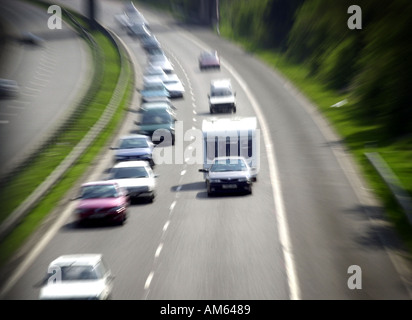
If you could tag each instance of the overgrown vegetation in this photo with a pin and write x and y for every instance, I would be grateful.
(310, 42)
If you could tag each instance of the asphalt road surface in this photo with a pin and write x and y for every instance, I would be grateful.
(51, 76)
(308, 221)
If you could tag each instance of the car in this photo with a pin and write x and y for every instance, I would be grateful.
(153, 88)
(136, 177)
(77, 277)
(30, 38)
(160, 104)
(174, 86)
(209, 59)
(156, 100)
(154, 51)
(123, 21)
(8, 88)
(102, 200)
(149, 43)
(222, 97)
(137, 30)
(154, 73)
(228, 174)
(158, 124)
(134, 147)
(163, 61)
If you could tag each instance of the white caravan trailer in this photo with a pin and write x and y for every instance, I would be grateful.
(231, 137)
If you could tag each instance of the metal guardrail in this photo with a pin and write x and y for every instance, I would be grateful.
(393, 183)
(17, 215)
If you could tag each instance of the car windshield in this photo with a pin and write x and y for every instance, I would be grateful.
(156, 118)
(170, 82)
(99, 191)
(78, 273)
(226, 165)
(130, 172)
(133, 143)
(221, 92)
(154, 87)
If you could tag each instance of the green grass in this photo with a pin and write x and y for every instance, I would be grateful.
(31, 176)
(358, 137)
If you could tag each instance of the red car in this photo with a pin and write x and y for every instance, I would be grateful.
(209, 59)
(102, 200)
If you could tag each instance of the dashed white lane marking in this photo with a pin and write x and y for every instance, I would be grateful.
(194, 112)
(183, 172)
(158, 250)
(148, 280)
(178, 188)
(166, 225)
(194, 105)
(172, 206)
(194, 120)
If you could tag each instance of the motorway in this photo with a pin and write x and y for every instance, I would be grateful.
(51, 77)
(309, 219)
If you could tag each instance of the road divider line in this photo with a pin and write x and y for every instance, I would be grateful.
(148, 280)
(158, 250)
(172, 206)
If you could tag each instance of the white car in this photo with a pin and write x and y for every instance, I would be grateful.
(174, 86)
(137, 177)
(222, 98)
(162, 61)
(78, 277)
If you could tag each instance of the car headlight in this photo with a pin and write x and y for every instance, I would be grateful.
(215, 180)
(79, 211)
(243, 179)
(146, 156)
(146, 133)
(118, 209)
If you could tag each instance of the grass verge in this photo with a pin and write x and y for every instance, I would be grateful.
(44, 163)
(358, 137)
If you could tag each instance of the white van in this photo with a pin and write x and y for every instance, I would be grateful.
(222, 98)
(232, 137)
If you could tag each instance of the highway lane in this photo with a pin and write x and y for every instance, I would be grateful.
(187, 246)
(51, 77)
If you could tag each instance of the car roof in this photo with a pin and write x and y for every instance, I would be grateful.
(131, 164)
(155, 105)
(134, 136)
(78, 259)
(152, 80)
(99, 182)
(221, 83)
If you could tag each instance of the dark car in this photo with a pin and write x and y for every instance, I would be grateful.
(153, 89)
(102, 200)
(149, 43)
(209, 59)
(138, 30)
(8, 88)
(158, 121)
(228, 174)
(134, 147)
